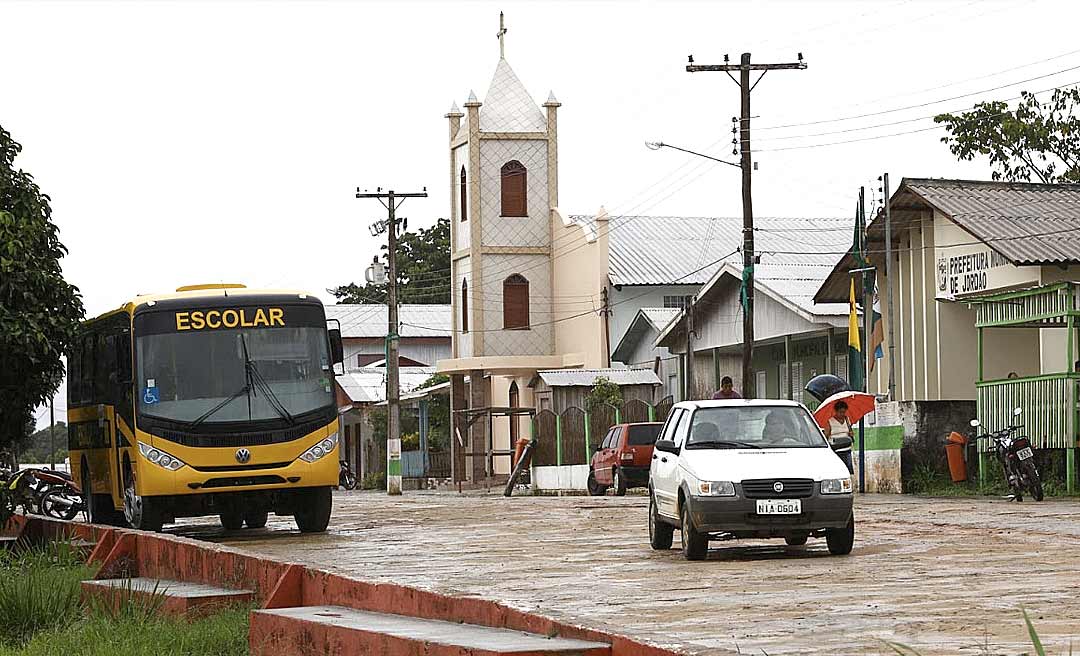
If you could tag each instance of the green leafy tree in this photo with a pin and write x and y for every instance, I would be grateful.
(423, 268)
(42, 449)
(39, 310)
(1040, 140)
(603, 392)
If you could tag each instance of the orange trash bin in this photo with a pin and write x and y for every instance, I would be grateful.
(954, 450)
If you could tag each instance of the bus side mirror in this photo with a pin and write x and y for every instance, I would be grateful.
(337, 350)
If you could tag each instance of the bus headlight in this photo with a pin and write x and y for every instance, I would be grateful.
(160, 458)
(322, 449)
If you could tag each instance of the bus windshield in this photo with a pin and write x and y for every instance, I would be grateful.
(233, 375)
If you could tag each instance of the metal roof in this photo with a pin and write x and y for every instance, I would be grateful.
(370, 320)
(368, 384)
(587, 377)
(664, 250)
(646, 319)
(1028, 223)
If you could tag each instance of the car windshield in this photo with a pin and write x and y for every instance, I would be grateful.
(643, 434)
(234, 375)
(754, 427)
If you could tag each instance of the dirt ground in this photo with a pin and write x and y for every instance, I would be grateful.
(946, 576)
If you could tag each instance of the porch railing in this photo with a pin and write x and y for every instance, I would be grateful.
(1048, 403)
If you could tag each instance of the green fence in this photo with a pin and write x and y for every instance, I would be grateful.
(1048, 403)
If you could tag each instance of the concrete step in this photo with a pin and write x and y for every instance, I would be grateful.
(340, 630)
(175, 597)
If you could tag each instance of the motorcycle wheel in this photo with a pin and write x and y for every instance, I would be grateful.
(348, 481)
(1030, 476)
(50, 506)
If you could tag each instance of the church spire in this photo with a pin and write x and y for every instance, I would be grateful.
(502, 36)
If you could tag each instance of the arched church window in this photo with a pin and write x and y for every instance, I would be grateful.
(464, 306)
(462, 211)
(516, 303)
(513, 175)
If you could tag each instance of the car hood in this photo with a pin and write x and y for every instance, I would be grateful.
(746, 464)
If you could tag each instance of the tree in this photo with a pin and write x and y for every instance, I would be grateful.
(423, 268)
(1036, 139)
(37, 447)
(603, 392)
(39, 310)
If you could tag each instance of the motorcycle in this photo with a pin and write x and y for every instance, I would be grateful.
(62, 500)
(346, 478)
(1017, 459)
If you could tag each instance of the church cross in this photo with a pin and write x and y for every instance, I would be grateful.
(501, 34)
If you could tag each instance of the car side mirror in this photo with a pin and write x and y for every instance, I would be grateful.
(667, 446)
(839, 443)
(337, 350)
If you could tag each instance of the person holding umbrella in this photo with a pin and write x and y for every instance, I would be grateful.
(840, 426)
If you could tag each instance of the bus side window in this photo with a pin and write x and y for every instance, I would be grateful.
(86, 370)
(103, 365)
(123, 357)
(74, 371)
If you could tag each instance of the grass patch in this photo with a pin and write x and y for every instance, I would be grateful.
(925, 480)
(42, 614)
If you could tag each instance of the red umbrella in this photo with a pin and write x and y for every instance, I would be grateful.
(858, 404)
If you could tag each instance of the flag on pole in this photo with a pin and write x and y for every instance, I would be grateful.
(877, 330)
(855, 359)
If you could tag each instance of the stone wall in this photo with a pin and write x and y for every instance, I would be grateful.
(926, 426)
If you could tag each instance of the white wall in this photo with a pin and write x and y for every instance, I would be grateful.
(627, 301)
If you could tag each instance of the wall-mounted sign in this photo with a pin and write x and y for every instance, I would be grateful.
(966, 270)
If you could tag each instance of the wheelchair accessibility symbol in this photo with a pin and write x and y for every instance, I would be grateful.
(150, 395)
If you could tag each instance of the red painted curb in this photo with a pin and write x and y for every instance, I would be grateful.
(279, 584)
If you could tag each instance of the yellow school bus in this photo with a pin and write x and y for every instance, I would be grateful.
(213, 400)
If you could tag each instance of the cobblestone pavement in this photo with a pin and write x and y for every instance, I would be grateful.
(947, 576)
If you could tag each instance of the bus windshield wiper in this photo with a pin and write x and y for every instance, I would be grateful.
(246, 389)
(255, 378)
(721, 444)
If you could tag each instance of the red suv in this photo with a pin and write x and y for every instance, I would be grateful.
(623, 458)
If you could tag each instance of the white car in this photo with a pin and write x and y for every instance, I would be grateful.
(747, 469)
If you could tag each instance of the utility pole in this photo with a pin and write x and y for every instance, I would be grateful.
(888, 289)
(52, 435)
(606, 312)
(391, 201)
(749, 259)
(868, 275)
(689, 349)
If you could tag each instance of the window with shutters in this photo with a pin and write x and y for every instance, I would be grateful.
(516, 303)
(464, 306)
(462, 211)
(513, 189)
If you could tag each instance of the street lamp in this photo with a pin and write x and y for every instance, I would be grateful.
(657, 145)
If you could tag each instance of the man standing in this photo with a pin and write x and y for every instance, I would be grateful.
(727, 389)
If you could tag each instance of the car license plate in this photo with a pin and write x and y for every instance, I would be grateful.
(779, 507)
(1024, 453)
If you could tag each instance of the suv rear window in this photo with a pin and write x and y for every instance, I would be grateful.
(644, 435)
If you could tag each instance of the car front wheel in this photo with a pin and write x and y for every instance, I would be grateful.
(661, 534)
(841, 540)
(695, 545)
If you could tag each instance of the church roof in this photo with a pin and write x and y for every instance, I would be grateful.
(508, 107)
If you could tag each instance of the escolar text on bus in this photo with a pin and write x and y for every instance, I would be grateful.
(232, 318)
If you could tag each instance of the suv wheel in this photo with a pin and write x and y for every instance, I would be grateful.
(840, 540)
(661, 534)
(695, 545)
(618, 483)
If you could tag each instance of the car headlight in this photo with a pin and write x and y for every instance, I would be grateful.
(836, 486)
(322, 449)
(716, 488)
(160, 458)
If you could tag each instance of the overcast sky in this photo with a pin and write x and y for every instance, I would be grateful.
(189, 142)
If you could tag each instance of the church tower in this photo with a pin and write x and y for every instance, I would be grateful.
(504, 182)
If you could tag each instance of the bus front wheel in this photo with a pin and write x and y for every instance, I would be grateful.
(140, 513)
(313, 509)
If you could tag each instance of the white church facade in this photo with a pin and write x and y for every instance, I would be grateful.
(515, 312)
